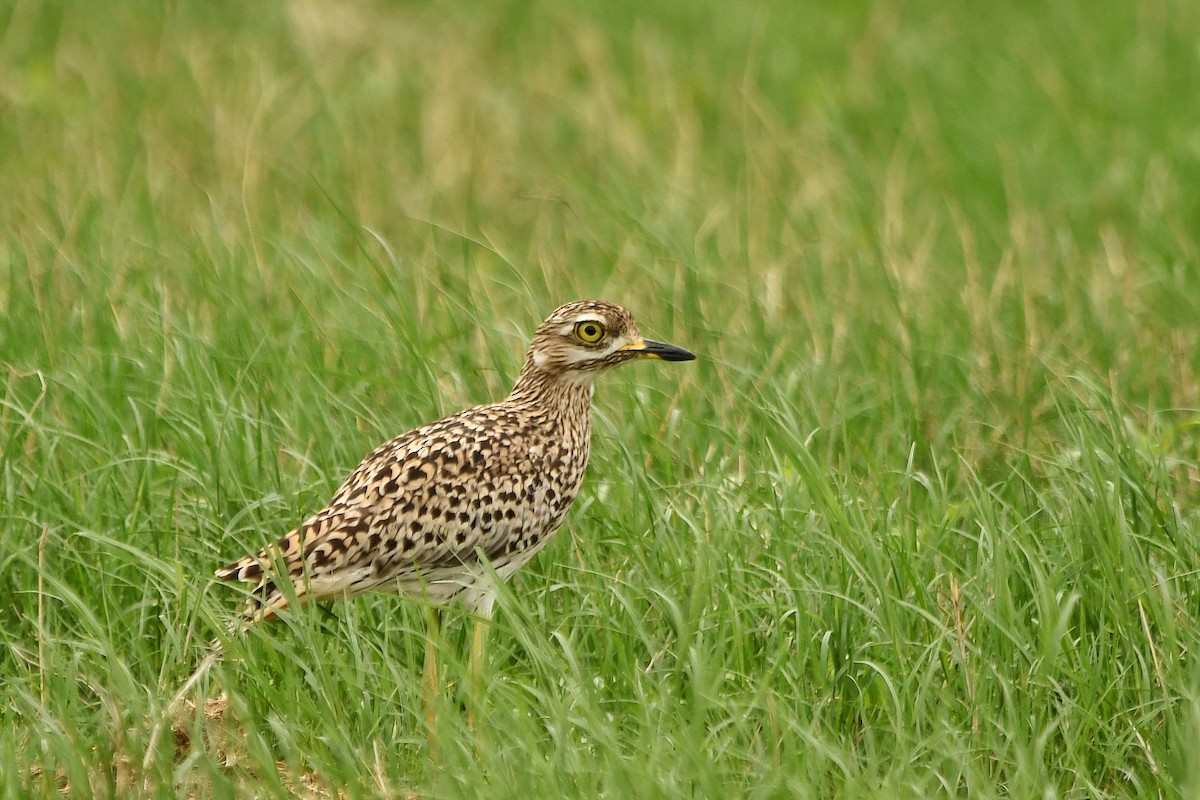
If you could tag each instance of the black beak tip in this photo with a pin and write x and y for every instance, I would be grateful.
(668, 352)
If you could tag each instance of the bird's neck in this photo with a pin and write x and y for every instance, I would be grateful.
(562, 395)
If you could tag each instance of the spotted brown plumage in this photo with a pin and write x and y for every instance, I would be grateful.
(434, 511)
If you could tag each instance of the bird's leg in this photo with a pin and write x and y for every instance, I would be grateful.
(475, 703)
(476, 665)
(483, 615)
(432, 634)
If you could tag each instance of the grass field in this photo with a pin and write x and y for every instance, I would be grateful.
(921, 521)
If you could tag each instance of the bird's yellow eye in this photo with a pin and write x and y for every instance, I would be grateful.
(589, 331)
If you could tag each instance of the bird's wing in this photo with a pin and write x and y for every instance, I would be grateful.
(432, 498)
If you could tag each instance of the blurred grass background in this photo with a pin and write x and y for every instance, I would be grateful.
(920, 521)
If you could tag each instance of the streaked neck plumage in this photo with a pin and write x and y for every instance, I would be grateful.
(565, 395)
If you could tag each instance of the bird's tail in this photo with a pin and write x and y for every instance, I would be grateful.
(266, 597)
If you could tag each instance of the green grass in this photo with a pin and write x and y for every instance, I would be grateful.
(920, 522)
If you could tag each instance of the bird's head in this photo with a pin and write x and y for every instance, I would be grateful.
(582, 339)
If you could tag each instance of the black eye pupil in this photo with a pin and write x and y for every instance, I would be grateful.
(590, 330)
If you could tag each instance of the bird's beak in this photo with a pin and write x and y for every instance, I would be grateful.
(648, 348)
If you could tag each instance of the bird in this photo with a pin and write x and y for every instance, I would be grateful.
(444, 511)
